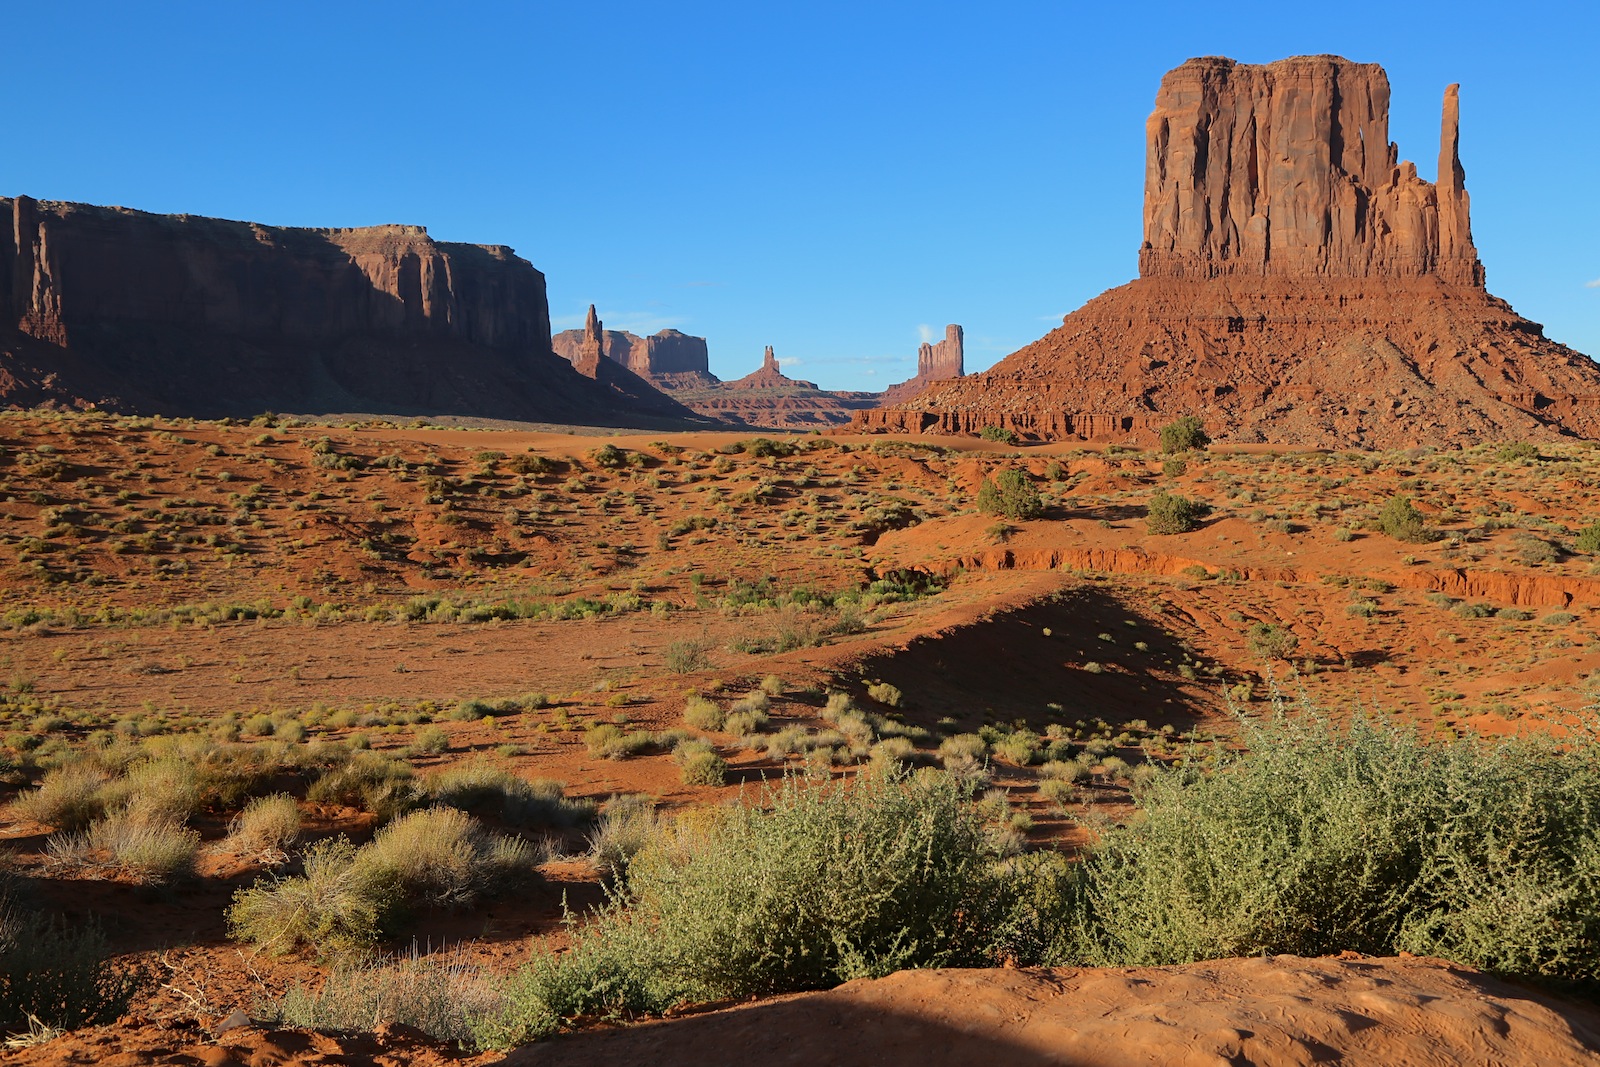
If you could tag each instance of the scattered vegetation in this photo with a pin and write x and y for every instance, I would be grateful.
(1010, 494)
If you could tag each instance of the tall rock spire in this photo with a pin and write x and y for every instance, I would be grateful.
(1455, 225)
(593, 348)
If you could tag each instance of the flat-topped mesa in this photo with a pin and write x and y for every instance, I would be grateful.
(1287, 169)
(130, 311)
(667, 359)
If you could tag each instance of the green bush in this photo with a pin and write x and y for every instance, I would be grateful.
(1315, 840)
(703, 713)
(1184, 434)
(1010, 494)
(1173, 467)
(443, 998)
(998, 433)
(369, 781)
(1269, 641)
(828, 884)
(347, 898)
(486, 790)
(1169, 513)
(267, 824)
(1588, 539)
(700, 765)
(60, 974)
(1401, 520)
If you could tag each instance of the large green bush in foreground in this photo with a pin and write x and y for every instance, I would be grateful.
(1317, 840)
(1307, 839)
(831, 883)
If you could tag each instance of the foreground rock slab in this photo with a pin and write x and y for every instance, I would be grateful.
(1274, 1011)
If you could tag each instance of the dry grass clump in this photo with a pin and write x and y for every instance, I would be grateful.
(627, 823)
(484, 789)
(68, 798)
(370, 781)
(700, 764)
(150, 849)
(266, 826)
(442, 997)
(703, 713)
(346, 899)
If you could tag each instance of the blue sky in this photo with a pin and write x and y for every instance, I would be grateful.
(831, 179)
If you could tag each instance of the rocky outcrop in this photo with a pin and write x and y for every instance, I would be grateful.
(936, 362)
(591, 351)
(768, 397)
(178, 314)
(1298, 284)
(668, 359)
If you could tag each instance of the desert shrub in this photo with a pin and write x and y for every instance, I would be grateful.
(69, 797)
(688, 657)
(443, 998)
(152, 849)
(1173, 467)
(1401, 520)
(442, 857)
(998, 433)
(266, 825)
(1058, 791)
(626, 825)
(755, 702)
(609, 455)
(884, 693)
(969, 745)
(335, 906)
(893, 751)
(60, 974)
(1316, 839)
(369, 781)
(699, 764)
(1010, 494)
(432, 740)
(484, 789)
(1020, 747)
(828, 884)
(1531, 550)
(703, 713)
(1588, 539)
(1518, 450)
(745, 723)
(1169, 513)
(347, 898)
(608, 741)
(1270, 641)
(1183, 434)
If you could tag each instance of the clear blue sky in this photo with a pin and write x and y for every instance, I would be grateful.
(828, 178)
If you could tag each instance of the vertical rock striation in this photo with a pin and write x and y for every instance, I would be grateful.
(1287, 170)
(1298, 284)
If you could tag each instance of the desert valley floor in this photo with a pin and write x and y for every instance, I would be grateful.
(573, 608)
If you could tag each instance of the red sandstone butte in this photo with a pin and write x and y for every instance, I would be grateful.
(1298, 283)
(936, 362)
(182, 315)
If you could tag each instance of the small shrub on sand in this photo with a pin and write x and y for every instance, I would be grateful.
(266, 825)
(369, 781)
(885, 694)
(688, 656)
(441, 997)
(1184, 434)
(68, 798)
(1169, 513)
(626, 825)
(484, 789)
(703, 713)
(1401, 520)
(700, 765)
(1269, 641)
(1010, 494)
(347, 898)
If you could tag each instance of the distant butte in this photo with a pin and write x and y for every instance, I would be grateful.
(1298, 284)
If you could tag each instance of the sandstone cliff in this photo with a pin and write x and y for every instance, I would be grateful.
(768, 397)
(177, 314)
(936, 362)
(1298, 284)
(668, 359)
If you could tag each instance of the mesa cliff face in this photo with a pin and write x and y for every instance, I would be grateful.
(668, 359)
(1298, 284)
(177, 314)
